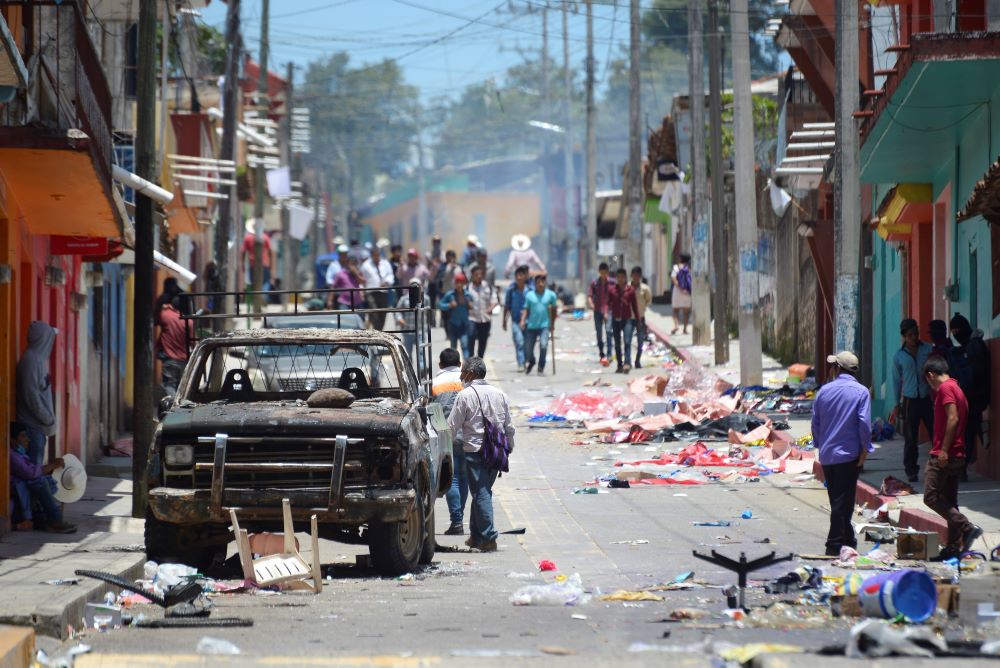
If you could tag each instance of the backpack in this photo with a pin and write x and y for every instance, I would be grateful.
(495, 450)
(684, 278)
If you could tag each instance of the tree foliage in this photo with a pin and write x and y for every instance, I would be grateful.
(665, 23)
(363, 119)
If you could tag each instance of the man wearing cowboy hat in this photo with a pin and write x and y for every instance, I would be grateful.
(31, 484)
(523, 255)
(471, 248)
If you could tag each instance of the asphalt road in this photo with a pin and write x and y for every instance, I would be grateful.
(458, 610)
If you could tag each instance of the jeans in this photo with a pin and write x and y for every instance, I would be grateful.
(37, 442)
(378, 300)
(481, 481)
(517, 334)
(841, 485)
(459, 338)
(602, 325)
(941, 496)
(623, 328)
(27, 492)
(917, 411)
(171, 373)
(640, 340)
(458, 493)
(410, 344)
(542, 337)
(478, 337)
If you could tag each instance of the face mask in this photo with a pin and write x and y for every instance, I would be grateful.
(20, 448)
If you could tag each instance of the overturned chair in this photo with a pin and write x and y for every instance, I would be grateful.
(288, 569)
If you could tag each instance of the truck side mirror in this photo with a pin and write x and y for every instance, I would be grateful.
(422, 410)
(166, 403)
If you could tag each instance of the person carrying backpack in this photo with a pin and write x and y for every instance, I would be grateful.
(481, 418)
(680, 298)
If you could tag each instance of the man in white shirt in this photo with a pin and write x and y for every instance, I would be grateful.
(479, 399)
(335, 267)
(378, 275)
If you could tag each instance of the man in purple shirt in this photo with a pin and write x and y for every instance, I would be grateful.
(30, 484)
(842, 432)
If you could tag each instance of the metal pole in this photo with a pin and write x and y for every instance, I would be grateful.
(591, 204)
(421, 178)
(145, 162)
(846, 188)
(261, 193)
(751, 372)
(547, 113)
(316, 236)
(163, 82)
(291, 246)
(634, 194)
(569, 190)
(700, 288)
(227, 151)
(720, 261)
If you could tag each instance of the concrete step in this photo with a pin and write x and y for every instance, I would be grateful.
(17, 646)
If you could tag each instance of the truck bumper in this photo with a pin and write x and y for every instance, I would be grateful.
(194, 506)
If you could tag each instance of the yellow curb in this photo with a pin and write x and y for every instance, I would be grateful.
(17, 646)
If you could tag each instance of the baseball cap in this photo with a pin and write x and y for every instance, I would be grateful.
(460, 278)
(907, 325)
(413, 252)
(845, 359)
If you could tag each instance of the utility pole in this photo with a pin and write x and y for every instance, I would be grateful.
(547, 113)
(227, 151)
(261, 173)
(701, 291)
(291, 246)
(720, 256)
(751, 372)
(145, 163)
(634, 194)
(569, 183)
(846, 188)
(421, 177)
(591, 205)
(316, 237)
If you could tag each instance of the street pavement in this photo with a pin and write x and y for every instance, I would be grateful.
(458, 612)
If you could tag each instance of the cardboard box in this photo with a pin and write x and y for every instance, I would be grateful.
(634, 475)
(921, 545)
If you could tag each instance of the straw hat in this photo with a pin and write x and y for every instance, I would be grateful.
(520, 242)
(472, 239)
(71, 480)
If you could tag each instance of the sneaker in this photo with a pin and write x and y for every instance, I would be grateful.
(456, 529)
(620, 369)
(605, 362)
(520, 368)
(970, 537)
(911, 477)
(528, 367)
(628, 367)
(488, 546)
(66, 527)
(541, 371)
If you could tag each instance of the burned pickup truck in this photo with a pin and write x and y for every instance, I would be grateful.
(336, 420)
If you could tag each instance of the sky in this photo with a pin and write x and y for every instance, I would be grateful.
(442, 45)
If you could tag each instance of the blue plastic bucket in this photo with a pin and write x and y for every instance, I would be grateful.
(909, 592)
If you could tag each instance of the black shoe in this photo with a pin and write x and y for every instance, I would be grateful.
(911, 477)
(945, 555)
(541, 371)
(455, 529)
(637, 365)
(620, 370)
(970, 537)
(528, 367)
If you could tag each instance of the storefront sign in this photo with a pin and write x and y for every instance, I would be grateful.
(68, 245)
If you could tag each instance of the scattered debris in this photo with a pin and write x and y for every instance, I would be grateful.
(624, 595)
(216, 646)
(546, 565)
(569, 592)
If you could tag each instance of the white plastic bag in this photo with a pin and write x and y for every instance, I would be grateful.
(218, 646)
(569, 592)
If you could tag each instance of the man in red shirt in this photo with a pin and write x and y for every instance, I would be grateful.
(172, 346)
(947, 457)
(622, 308)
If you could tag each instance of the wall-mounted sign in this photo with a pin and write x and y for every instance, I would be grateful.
(69, 245)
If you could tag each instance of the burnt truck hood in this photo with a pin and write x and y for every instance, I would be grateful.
(374, 418)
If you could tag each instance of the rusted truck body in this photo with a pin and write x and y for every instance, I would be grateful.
(240, 433)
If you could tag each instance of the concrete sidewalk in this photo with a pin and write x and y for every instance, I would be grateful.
(108, 539)
(979, 498)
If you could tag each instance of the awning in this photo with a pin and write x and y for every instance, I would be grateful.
(56, 184)
(985, 198)
(905, 205)
(180, 218)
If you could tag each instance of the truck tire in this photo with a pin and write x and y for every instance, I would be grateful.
(396, 547)
(169, 543)
(430, 543)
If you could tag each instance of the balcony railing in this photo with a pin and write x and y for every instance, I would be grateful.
(93, 98)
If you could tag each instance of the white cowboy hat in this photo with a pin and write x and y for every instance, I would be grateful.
(382, 243)
(520, 242)
(71, 480)
(472, 239)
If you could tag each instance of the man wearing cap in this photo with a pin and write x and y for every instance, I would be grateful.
(335, 266)
(522, 254)
(455, 311)
(489, 271)
(912, 393)
(842, 432)
(413, 269)
(379, 277)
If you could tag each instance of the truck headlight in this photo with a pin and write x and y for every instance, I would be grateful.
(178, 455)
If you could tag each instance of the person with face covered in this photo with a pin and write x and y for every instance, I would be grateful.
(912, 393)
(971, 368)
(35, 405)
